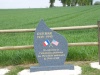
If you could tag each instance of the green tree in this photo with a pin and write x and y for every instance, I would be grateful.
(84, 2)
(97, 3)
(81, 2)
(73, 2)
(64, 2)
(52, 3)
(88, 2)
(68, 2)
(91, 2)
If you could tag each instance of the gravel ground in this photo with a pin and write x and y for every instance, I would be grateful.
(3, 71)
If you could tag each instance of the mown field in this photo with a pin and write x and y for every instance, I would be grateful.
(54, 17)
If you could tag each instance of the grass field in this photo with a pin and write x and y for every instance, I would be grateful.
(54, 17)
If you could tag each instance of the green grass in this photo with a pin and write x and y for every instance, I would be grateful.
(15, 70)
(87, 70)
(54, 17)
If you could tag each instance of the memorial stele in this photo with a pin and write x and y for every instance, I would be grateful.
(51, 50)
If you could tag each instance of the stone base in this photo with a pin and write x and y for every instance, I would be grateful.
(48, 68)
(77, 71)
(95, 65)
(4, 71)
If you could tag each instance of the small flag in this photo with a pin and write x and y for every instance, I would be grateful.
(45, 43)
(54, 42)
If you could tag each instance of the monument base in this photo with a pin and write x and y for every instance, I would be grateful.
(95, 65)
(77, 71)
(48, 68)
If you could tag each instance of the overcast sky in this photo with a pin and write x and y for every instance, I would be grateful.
(4, 4)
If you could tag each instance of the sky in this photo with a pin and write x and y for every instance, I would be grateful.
(10, 4)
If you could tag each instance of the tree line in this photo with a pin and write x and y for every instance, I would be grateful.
(72, 2)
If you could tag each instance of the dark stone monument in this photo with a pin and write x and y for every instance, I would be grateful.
(51, 50)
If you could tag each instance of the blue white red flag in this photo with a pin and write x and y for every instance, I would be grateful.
(45, 43)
